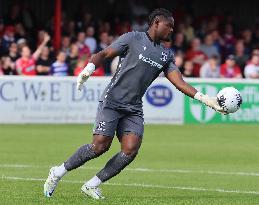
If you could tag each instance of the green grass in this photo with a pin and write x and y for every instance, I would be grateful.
(212, 159)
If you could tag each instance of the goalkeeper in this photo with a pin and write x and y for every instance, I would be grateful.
(142, 59)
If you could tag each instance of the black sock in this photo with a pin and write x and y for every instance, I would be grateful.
(81, 156)
(114, 166)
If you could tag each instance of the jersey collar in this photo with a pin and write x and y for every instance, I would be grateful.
(155, 43)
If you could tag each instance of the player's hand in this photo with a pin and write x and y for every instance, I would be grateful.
(82, 78)
(212, 102)
(84, 75)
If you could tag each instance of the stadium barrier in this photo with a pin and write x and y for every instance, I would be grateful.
(56, 100)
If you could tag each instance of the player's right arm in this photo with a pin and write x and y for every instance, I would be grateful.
(95, 61)
(116, 48)
(98, 58)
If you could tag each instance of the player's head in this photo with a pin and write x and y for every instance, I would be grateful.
(162, 21)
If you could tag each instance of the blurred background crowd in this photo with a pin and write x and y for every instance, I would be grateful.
(215, 45)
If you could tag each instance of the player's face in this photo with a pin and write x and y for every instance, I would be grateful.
(165, 29)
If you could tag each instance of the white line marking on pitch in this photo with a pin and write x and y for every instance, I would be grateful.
(184, 171)
(141, 185)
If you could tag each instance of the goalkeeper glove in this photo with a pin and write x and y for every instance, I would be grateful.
(211, 102)
(84, 75)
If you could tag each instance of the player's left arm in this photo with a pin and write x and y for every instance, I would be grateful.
(175, 77)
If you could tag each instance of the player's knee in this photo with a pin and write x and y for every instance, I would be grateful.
(130, 151)
(101, 144)
(100, 148)
(130, 148)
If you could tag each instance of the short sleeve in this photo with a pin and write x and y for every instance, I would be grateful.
(170, 67)
(123, 42)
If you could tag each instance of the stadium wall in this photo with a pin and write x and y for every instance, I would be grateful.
(56, 100)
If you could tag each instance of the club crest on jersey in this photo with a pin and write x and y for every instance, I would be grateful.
(101, 126)
(164, 56)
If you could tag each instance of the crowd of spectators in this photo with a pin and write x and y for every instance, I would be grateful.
(207, 47)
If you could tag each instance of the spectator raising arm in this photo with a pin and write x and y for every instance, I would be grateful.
(37, 53)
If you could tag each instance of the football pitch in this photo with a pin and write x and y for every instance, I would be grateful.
(194, 164)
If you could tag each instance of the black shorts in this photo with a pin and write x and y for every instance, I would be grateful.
(110, 119)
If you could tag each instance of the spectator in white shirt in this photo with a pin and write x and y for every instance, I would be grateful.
(252, 69)
(211, 68)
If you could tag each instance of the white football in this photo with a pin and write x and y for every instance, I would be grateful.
(229, 99)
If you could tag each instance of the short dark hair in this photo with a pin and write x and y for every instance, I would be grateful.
(159, 12)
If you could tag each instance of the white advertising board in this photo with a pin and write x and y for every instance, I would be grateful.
(56, 100)
(48, 100)
(163, 103)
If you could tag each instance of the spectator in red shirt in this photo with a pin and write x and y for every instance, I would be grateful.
(230, 69)
(25, 65)
(80, 66)
(196, 56)
(84, 51)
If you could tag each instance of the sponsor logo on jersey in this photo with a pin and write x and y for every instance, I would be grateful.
(159, 95)
(150, 61)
